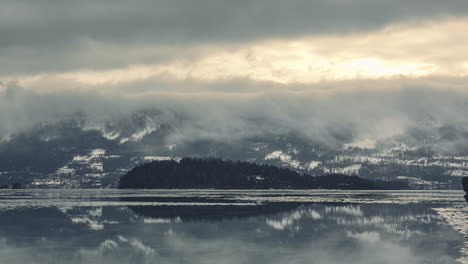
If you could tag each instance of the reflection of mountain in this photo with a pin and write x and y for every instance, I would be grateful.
(72, 153)
(269, 233)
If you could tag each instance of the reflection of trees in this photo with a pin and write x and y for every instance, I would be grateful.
(212, 212)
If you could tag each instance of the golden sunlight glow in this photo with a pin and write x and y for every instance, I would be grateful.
(432, 48)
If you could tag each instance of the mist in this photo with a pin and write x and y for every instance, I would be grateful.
(330, 114)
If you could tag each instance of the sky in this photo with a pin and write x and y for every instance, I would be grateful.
(377, 68)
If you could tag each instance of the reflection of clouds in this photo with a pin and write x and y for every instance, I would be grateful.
(395, 224)
(356, 222)
(365, 234)
(141, 247)
(183, 247)
(119, 250)
(108, 244)
(191, 249)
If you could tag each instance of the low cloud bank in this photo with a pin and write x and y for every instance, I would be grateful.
(329, 114)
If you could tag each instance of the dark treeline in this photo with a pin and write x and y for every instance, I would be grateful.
(13, 186)
(200, 173)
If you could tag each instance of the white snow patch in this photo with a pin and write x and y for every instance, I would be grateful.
(162, 220)
(97, 166)
(123, 140)
(313, 164)
(285, 158)
(259, 178)
(161, 158)
(258, 146)
(349, 170)
(111, 135)
(137, 136)
(65, 170)
(98, 152)
(458, 173)
(46, 182)
(93, 154)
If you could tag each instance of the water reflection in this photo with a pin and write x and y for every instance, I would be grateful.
(262, 233)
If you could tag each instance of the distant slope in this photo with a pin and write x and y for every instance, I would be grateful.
(71, 154)
(219, 174)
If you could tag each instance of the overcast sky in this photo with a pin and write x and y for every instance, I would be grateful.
(272, 40)
(366, 57)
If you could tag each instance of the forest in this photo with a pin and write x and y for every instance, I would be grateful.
(206, 173)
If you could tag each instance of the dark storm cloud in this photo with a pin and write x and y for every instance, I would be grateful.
(72, 33)
(46, 21)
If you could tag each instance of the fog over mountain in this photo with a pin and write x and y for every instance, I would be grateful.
(337, 128)
(337, 114)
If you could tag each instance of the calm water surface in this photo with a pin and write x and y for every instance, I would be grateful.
(207, 226)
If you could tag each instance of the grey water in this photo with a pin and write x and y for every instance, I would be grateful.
(232, 226)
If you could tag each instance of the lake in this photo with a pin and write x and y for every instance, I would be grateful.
(232, 226)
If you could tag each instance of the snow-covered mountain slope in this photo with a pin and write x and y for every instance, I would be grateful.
(75, 154)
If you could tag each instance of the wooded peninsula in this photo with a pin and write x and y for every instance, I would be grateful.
(214, 173)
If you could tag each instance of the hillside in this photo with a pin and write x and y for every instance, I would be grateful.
(220, 174)
(70, 155)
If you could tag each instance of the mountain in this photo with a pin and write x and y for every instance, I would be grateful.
(73, 153)
(190, 173)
